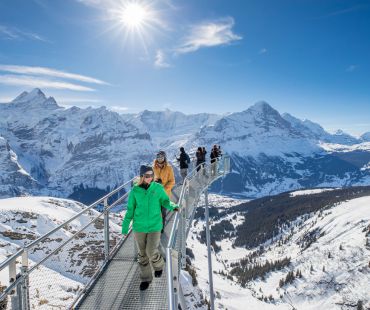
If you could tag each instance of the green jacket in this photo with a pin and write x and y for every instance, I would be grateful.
(144, 208)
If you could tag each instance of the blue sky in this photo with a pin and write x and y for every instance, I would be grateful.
(308, 57)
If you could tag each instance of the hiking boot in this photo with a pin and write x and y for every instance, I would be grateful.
(144, 285)
(158, 273)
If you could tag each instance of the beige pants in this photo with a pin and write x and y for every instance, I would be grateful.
(148, 252)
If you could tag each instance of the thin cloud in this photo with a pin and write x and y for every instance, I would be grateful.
(351, 68)
(160, 60)
(93, 3)
(6, 99)
(13, 33)
(344, 11)
(262, 51)
(68, 100)
(33, 81)
(117, 109)
(50, 72)
(209, 34)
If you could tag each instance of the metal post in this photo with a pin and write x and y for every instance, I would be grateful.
(212, 301)
(172, 259)
(15, 299)
(106, 230)
(183, 218)
(25, 283)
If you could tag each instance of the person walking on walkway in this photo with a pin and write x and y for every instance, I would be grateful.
(184, 160)
(214, 158)
(163, 174)
(144, 209)
(200, 158)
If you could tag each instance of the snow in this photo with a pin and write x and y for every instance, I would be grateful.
(335, 147)
(346, 278)
(310, 191)
(58, 280)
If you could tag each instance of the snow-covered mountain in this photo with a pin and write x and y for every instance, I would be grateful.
(365, 137)
(323, 254)
(79, 153)
(315, 131)
(273, 153)
(168, 129)
(14, 180)
(63, 149)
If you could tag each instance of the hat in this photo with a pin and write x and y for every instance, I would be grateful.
(182, 149)
(144, 169)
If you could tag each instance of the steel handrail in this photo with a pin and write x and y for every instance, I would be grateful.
(173, 235)
(10, 259)
(19, 253)
(94, 204)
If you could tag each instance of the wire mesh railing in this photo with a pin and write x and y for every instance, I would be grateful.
(194, 185)
(50, 272)
(55, 270)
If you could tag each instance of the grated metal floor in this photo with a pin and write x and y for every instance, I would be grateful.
(118, 286)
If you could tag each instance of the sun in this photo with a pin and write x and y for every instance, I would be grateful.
(134, 15)
(134, 22)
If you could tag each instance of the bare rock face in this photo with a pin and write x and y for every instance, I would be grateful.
(14, 180)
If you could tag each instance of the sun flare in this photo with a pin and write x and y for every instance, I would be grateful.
(135, 22)
(134, 15)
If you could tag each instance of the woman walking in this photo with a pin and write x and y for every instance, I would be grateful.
(144, 209)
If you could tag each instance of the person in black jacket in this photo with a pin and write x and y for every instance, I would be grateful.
(184, 160)
(214, 158)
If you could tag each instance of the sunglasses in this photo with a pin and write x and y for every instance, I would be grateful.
(148, 175)
(160, 158)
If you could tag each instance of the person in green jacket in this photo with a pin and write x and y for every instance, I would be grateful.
(144, 209)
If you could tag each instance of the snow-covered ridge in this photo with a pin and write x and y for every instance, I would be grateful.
(310, 191)
(78, 152)
(335, 147)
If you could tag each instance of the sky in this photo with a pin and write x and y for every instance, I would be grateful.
(309, 58)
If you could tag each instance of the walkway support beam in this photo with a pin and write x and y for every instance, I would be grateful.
(208, 236)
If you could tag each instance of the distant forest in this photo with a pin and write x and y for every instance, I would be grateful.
(265, 216)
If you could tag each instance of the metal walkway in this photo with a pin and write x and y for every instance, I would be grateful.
(118, 286)
(110, 276)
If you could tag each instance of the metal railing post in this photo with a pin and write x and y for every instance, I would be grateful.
(210, 275)
(184, 214)
(25, 282)
(106, 230)
(15, 298)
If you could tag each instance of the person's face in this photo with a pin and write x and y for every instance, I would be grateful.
(148, 177)
(160, 159)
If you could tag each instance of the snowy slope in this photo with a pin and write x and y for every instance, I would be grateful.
(59, 279)
(335, 266)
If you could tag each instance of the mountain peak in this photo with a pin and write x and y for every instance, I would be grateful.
(35, 98)
(35, 94)
(261, 106)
